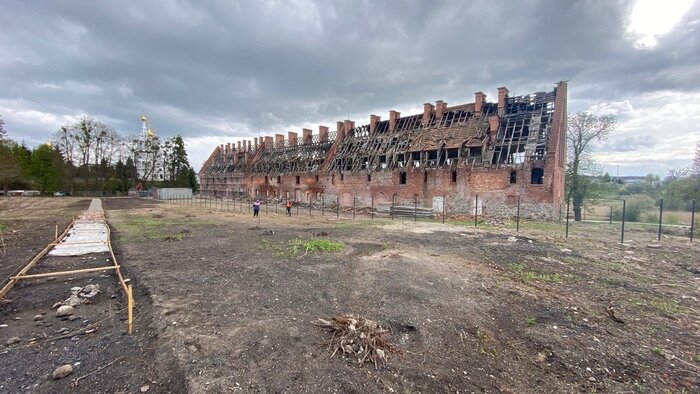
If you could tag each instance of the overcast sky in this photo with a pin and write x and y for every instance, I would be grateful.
(215, 71)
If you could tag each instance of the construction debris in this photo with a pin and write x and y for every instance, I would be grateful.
(355, 336)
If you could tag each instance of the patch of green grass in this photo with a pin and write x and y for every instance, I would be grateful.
(658, 351)
(531, 320)
(3, 226)
(297, 247)
(530, 276)
(697, 357)
(666, 306)
(149, 228)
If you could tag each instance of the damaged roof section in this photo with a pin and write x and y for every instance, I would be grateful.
(509, 132)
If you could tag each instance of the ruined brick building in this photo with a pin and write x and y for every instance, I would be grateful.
(469, 154)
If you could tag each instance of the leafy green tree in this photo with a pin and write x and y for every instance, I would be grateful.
(584, 128)
(46, 167)
(10, 168)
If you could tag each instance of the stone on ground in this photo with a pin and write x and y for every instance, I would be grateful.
(62, 371)
(65, 310)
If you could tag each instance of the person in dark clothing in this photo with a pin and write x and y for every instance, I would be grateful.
(289, 207)
(256, 208)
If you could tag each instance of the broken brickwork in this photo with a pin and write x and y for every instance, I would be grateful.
(513, 148)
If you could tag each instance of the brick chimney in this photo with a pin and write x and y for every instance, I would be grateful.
(502, 97)
(323, 133)
(239, 146)
(292, 137)
(268, 142)
(427, 111)
(373, 121)
(255, 143)
(493, 126)
(479, 99)
(440, 108)
(393, 119)
(348, 125)
(279, 140)
(306, 136)
(339, 130)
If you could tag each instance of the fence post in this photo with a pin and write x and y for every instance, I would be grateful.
(353, 207)
(415, 208)
(517, 217)
(692, 221)
(611, 214)
(661, 214)
(391, 209)
(323, 206)
(443, 208)
(337, 207)
(622, 230)
(476, 209)
(372, 212)
(275, 207)
(309, 205)
(297, 204)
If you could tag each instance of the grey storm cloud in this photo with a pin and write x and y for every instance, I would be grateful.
(260, 67)
(632, 143)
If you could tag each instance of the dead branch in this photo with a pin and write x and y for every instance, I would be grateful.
(358, 337)
(611, 313)
(75, 382)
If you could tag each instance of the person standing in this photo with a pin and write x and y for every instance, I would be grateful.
(289, 207)
(256, 208)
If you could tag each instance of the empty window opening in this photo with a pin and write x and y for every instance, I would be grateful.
(369, 177)
(266, 182)
(298, 179)
(342, 177)
(452, 153)
(537, 177)
(316, 178)
(279, 179)
(425, 177)
(402, 178)
(332, 179)
(513, 177)
(454, 176)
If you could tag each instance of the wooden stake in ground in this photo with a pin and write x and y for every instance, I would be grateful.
(130, 306)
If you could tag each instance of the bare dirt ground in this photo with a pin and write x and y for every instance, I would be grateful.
(225, 304)
(105, 360)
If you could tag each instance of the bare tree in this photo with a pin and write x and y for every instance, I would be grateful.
(583, 129)
(86, 144)
(695, 169)
(2, 130)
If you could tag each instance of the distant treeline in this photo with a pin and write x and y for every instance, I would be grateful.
(89, 155)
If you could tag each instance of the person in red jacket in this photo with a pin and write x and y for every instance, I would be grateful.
(289, 207)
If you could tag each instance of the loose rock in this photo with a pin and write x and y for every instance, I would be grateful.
(145, 388)
(12, 341)
(62, 371)
(65, 310)
(38, 317)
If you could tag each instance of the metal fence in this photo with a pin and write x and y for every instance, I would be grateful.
(614, 222)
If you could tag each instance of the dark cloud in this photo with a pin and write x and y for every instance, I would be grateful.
(241, 69)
